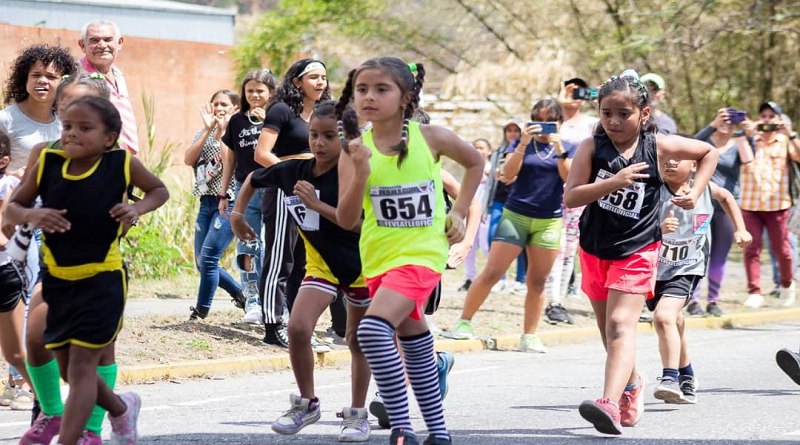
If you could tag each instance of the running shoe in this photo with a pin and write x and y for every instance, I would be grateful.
(713, 309)
(776, 291)
(531, 343)
(377, 409)
(688, 385)
(318, 347)
(668, 390)
(23, 400)
(35, 411)
(631, 404)
(463, 330)
(555, 312)
(603, 414)
(694, 309)
(123, 428)
(788, 295)
(403, 437)
(519, 288)
(789, 362)
(355, 425)
(303, 412)
(87, 438)
(465, 287)
(333, 338)
(645, 316)
(197, 313)
(433, 440)
(252, 307)
(276, 335)
(754, 301)
(43, 430)
(444, 364)
(238, 299)
(8, 394)
(500, 286)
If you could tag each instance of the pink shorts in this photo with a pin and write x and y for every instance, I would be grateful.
(413, 282)
(633, 275)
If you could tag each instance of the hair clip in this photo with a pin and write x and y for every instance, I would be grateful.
(412, 67)
(342, 139)
(65, 77)
(404, 131)
(97, 76)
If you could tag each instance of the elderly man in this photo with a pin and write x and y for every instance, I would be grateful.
(101, 42)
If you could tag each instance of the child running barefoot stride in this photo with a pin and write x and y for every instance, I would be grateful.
(333, 267)
(685, 247)
(392, 173)
(85, 282)
(615, 174)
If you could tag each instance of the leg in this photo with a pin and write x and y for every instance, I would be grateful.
(310, 304)
(359, 368)
(537, 274)
(41, 363)
(248, 257)
(279, 236)
(501, 253)
(665, 319)
(218, 236)
(338, 311)
(754, 225)
(779, 240)
(78, 367)
(721, 242)
(11, 342)
(622, 315)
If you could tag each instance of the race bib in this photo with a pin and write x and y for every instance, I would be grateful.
(626, 201)
(306, 219)
(678, 252)
(407, 205)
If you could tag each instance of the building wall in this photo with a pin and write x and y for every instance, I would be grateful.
(179, 75)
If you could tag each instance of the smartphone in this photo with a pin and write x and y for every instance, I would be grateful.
(547, 127)
(767, 127)
(585, 93)
(736, 116)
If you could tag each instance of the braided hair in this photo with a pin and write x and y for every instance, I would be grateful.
(628, 82)
(410, 86)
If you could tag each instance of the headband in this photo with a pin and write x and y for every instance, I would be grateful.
(312, 65)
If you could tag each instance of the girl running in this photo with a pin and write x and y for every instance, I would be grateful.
(81, 326)
(333, 267)
(683, 261)
(212, 230)
(392, 173)
(615, 174)
(240, 140)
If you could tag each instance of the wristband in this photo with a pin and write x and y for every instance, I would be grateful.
(564, 156)
(234, 212)
(221, 197)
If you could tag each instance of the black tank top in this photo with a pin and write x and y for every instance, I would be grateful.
(621, 223)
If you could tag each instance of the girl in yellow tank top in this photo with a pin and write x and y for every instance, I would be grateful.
(393, 174)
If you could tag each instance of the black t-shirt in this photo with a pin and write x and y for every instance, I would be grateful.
(292, 130)
(241, 136)
(337, 246)
(623, 222)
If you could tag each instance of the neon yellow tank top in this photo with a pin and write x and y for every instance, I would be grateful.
(404, 209)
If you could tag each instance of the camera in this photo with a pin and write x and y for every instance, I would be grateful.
(547, 127)
(736, 116)
(585, 93)
(767, 127)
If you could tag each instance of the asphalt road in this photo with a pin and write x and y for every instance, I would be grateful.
(504, 398)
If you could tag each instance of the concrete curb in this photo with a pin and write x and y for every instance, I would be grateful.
(205, 368)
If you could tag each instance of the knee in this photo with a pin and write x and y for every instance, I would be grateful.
(663, 321)
(298, 330)
(16, 359)
(617, 328)
(535, 283)
(491, 274)
(352, 342)
(246, 262)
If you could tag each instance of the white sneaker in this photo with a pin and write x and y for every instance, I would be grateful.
(253, 314)
(519, 288)
(7, 396)
(23, 400)
(303, 412)
(754, 301)
(355, 425)
(788, 295)
(318, 347)
(500, 286)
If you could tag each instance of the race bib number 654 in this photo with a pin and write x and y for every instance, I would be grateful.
(406, 205)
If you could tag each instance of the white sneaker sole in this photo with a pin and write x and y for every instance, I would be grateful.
(668, 396)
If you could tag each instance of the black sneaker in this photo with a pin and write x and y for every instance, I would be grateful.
(694, 309)
(377, 409)
(465, 287)
(713, 310)
(688, 386)
(433, 440)
(35, 411)
(403, 437)
(238, 300)
(197, 312)
(555, 312)
(789, 362)
(276, 335)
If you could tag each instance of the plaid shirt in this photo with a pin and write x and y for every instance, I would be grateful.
(765, 181)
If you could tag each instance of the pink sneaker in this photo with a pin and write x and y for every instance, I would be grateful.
(90, 438)
(603, 414)
(123, 428)
(42, 431)
(631, 404)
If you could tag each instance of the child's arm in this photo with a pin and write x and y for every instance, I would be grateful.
(579, 191)
(18, 212)
(266, 142)
(459, 251)
(353, 173)
(155, 194)
(740, 235)
(670, 223)
(678, 147)
(33, 156)
(240, 228)
(228, 165)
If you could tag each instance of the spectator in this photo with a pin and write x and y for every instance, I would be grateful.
(656, 87)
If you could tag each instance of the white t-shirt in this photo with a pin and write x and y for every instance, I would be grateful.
(575, 131)
(24, 133)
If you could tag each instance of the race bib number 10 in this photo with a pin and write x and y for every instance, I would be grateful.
(626, 201)
(407, 205)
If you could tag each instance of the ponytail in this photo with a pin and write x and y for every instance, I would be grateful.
(346, 122)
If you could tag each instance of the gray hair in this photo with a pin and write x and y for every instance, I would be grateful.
(99, 22)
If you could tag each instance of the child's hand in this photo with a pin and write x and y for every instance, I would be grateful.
(670, 223)
(360, 155)
(241, 229)
(455, 227)
(307, 193)
(631, 173)
(49, 220)
(124, 213)
(458, 252)
(742, 238)
(687, 201)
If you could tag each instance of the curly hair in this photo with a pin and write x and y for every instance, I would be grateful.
(58, 56)
(292, 95)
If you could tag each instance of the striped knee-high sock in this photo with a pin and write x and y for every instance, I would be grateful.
(421, 367)
(376, 338)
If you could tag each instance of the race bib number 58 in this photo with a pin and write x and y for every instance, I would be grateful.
(407, 205)
(626, 201)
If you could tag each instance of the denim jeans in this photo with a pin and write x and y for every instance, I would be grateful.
(212, 235)
(250, 276)
(495, 213)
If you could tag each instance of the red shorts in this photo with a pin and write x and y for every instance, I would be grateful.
(413, 282)
(633, 275)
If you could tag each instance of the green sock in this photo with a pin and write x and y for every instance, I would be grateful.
(47, 385)
(109, 375)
